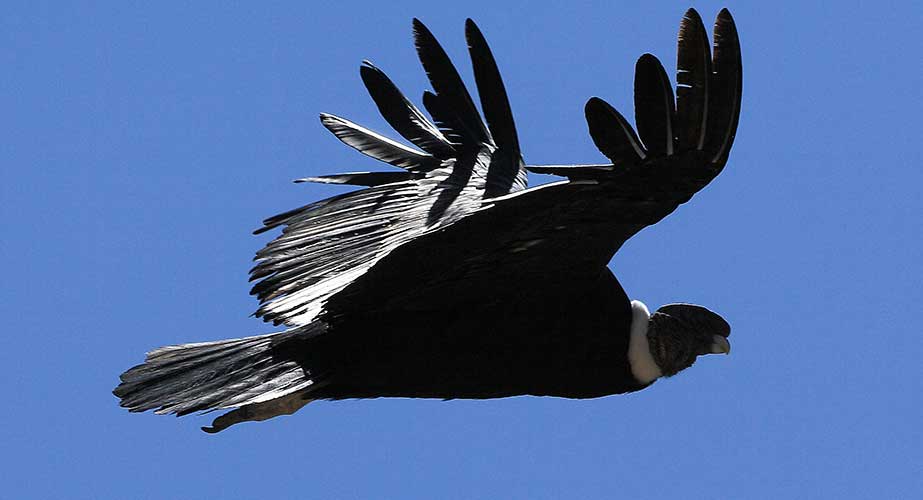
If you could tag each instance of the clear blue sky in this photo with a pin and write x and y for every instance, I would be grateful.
(142, 144)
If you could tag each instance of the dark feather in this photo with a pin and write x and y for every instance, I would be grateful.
(446, 119)
(401, 114)
(654, 106)
(368, 179)
(725, 89)
(693, 68)
(377, 146)
(494, 100)
(506, 167)
(612, 134)
(572, 171)
(448, 85)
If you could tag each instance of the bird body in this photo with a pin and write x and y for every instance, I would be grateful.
(451, 279)
(542, 346)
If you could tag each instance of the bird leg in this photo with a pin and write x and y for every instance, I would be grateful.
(255, 412)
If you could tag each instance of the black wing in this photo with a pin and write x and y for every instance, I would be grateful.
(326, 245)
(554, 235)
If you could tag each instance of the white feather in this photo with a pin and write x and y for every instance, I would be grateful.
(642, 363)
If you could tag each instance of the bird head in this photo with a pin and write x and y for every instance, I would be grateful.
(679, 333)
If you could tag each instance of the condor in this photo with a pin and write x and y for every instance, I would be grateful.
(449, 278)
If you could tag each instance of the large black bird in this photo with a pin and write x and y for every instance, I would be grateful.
(450, 279)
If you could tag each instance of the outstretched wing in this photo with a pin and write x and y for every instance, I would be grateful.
(547, 238)
(326, 245)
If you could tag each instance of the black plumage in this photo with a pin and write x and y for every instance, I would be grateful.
(368, 179)
(655, 107)
(379, 147)
(450, 279)
(449, 89)
(612, 133)
(402, 115)
(693, 71)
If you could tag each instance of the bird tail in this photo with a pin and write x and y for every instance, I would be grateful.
(247, 372)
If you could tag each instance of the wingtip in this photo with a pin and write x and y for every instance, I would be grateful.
(327, 120)
(419, 29)
(473, 33)
(725, 33)
(647, 58)
(691, 26)
(471, 27)
(594, 102)
(368, 70)
(691, 21)
(725, 21)
(655, 111)
(692, 14)
(612, 134)
(728, 87)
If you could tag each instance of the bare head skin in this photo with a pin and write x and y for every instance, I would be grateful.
(679, 333)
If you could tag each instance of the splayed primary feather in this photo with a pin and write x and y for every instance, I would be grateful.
(327, 245)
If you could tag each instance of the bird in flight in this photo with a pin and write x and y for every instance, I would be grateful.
(450, 278)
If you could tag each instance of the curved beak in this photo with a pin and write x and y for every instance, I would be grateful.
(720, 345)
